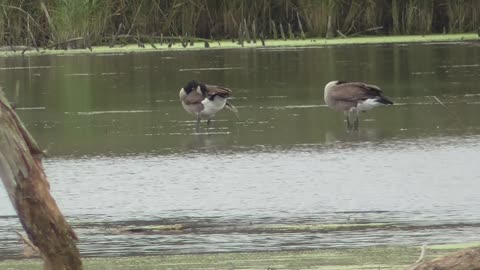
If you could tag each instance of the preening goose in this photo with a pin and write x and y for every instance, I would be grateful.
(351, 98)
(204, 101)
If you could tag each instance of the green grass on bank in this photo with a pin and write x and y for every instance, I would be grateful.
(380, 257)
(228, 44)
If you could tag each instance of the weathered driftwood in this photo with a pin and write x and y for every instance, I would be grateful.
(115, 35)
(465, 259)
(240, 35)
(290, 32)
(29, 249)
(282, 33)
(22, 174)
(159, 38)
(262, 39)
(246, 32)
(300, 26)
(274, 30)
(254, 32)
(64, 44)
(139, 42)
(88, 42)
(329, 27)
(341, 34)
(49, 19)
(16, 48)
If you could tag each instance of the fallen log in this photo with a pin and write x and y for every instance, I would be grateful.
(22, 174)
(160, 38)
(341, 34)
(64, 43)
(367, 30)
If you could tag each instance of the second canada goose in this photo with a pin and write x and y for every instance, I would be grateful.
(204, 101)
(351, 98)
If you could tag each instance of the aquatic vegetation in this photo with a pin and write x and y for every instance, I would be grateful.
(269, 45)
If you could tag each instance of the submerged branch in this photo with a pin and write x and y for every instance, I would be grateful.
(29, 243)
(64, 42)
(446, 109)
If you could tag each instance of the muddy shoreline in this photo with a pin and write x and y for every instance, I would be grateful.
(378, 257)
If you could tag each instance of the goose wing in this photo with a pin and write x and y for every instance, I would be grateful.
(355, 91)
(213, 90)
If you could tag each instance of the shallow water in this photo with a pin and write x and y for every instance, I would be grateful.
(122, 152)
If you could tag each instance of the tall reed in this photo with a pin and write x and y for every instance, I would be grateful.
(47, 22)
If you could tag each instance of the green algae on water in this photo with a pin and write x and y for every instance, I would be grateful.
(270, 44)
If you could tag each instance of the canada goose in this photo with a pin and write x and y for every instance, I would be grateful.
(204, 101)
(352, 98)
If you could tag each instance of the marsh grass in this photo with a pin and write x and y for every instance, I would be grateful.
(48, 22)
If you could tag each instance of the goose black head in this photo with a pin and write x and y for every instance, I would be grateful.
(193, 85)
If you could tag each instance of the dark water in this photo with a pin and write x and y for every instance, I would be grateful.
(122, 152)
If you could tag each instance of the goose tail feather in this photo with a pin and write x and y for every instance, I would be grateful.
(384, 101)
(229, 106)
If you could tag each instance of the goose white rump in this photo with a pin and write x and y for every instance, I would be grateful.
(211, 107)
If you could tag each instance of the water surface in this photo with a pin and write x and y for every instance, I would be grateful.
(122, 152)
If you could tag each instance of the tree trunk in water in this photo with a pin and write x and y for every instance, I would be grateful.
(22, 173)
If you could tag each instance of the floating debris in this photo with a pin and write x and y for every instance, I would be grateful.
(219, 68)
(109, 112)
(31, 67)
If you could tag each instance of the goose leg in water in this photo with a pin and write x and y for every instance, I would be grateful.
(197, 126)
(355, 122)
(209, 121)
(347, 119)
